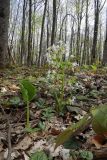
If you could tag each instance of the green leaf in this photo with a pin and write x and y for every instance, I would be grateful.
(24, 94)
(41, 125)
(15, 101)
(87, 155)
(32, 130)
(94, 94)
(72, 143)
(99, 122)
(39, 155)
(28, 90)
(82, 98)
(73, 130)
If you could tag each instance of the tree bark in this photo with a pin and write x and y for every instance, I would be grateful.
(95, 36)
(71, 39)
(4, 23)
(29, 57)
(54, 23)
(23, 32)
(105, 45)
(42, 31)
(79, 8)
(86, 35)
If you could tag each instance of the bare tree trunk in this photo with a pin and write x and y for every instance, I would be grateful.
(29, 57)
(4, 22)
(48, 33)
(95, 36)
(80, 5)
(12, 33)
(66, 23)
(105, 45)
(23, 33)
(86, 35)
(42, 31)
(54, 23)
(71, 39)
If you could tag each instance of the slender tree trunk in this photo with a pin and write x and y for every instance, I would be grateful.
(71, 39)
(86, 35)
(95, 36)
(105, 45)
(4, 22)
(29, 58)
(23, 32)
(48, 33)
(80, 5)
(66, 23)
(10, 47)
(42, 31)
(54, 23)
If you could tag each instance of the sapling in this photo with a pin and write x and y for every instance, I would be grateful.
(28, 93)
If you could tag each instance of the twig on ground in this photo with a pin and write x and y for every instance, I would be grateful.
(8, 134)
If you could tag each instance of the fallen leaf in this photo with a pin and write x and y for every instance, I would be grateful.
(24, 143)
(1, 147)
(25, 156)
(55, 131)
(98, 141)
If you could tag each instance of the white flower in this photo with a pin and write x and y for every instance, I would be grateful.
(74, 64)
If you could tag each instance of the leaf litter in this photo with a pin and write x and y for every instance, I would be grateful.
(88, 90)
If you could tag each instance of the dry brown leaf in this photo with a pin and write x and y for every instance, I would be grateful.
(3, 89)
(55, 131)
(98, 141)
(14, 87)
(1, 147)
(25, 156)
(24, 143)
(1, 155)
(34, 136)
(41, 144)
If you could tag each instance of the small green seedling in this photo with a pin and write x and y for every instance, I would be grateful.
(28, 93)
(39, 155)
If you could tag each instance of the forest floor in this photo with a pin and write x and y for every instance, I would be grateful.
(83, 88)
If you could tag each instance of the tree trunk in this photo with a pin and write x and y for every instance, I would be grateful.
(23, 33)
(4, 22)
(86, 35)
(71, 39)
(105, 45)
(48, 22)
(54, 23)
(79, 8)
(42, 30)
(29, 58)
(96, 23)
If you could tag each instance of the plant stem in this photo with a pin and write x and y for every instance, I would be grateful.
(27, 116)
(62, 89)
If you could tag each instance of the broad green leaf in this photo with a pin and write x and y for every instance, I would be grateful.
(86, 155)
(15, 100)
(99, 122)
(28, 90)
(94, 67)
(73, 130)
(24, 94)
(42, 125)
(72, 143)
(39, 155)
